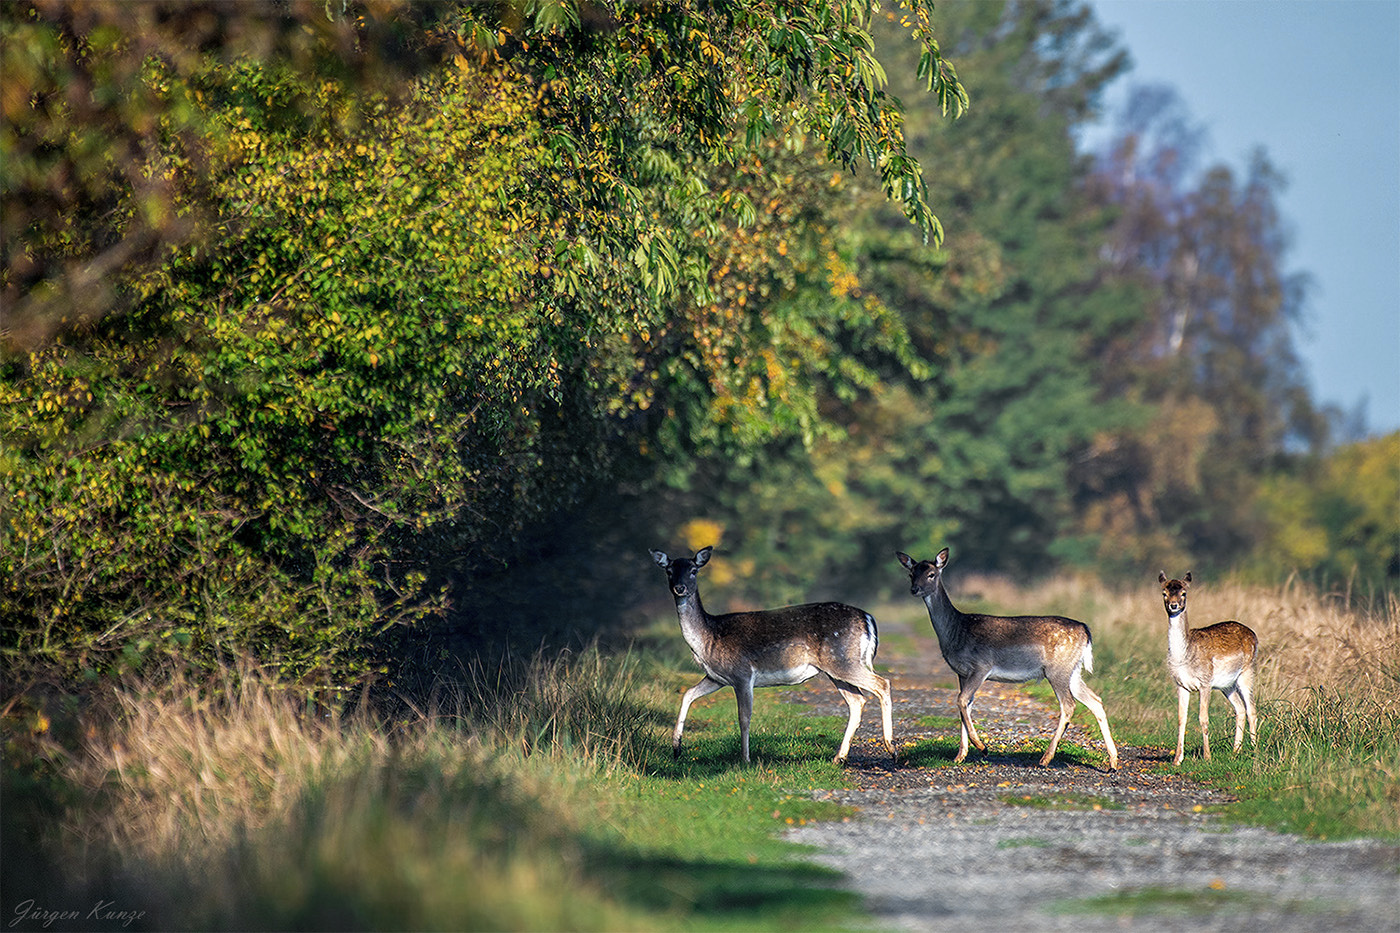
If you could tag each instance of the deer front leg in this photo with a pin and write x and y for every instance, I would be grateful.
(743, 691)
(1183, 707)
(706, 686)
(1205, 722)
(967, 688)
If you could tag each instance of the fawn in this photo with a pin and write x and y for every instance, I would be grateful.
(1219, 656)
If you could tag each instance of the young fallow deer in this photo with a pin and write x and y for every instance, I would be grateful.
(1011, 649)
(765, 648)
(1219, 656)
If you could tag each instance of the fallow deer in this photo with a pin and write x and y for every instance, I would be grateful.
(1010, 649)
(765, 648)
(1219, 657)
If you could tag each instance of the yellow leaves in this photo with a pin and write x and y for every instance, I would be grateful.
(700, 532)
(842, 280)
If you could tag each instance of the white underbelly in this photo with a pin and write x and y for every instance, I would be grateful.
(1221, 678)
(791, 675)
(1017, 674)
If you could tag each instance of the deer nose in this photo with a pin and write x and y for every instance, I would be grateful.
(678, 590)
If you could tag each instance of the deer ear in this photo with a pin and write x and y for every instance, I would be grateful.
(905, 559)
(1161, 576)
(941, 560)
(1187, 578)
(702, 556)
(661, 559)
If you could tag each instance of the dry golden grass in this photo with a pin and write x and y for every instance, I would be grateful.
(1327, 688)
(179, 763)
(1307, 640)
(286, 813)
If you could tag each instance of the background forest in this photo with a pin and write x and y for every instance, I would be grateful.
(338, 335)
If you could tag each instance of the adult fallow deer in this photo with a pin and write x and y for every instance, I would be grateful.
(1011, 649)
(765, 648)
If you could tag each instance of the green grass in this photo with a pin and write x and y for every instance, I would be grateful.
(1061, 802)
(1163, 903)
(525, 812)
(939, 752)
(1327, 764)
(940, 722)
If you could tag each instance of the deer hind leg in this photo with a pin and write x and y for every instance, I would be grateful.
(967, 688)
(1245, 685)
(1205, 722)
(1183, 706)
(886, 696)
(872, 683)
(1081, 692)
(1237, 704)
(855, 700)
(1066, 701)
(705, 687)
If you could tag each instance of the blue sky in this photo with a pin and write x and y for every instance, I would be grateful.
(1316, 83)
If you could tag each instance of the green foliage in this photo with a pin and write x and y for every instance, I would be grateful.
(972, 444)
(256, 440)
(1337, 518)
(404, 323)
(1205, 251)
(88, 137)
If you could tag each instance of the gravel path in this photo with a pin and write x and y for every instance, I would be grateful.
(1000, 844)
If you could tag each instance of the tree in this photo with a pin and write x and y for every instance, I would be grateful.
(98, 100)
(972, 448)
(1214, 353)
(1335, 518)
(407, 322)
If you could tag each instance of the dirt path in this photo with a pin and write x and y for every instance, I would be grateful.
(1000, 844)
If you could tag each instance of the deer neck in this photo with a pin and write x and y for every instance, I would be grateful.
(948, 622)
(1177, 634)
(696, 623)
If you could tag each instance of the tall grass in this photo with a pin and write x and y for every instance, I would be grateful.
(538, 795)
(239, 808)
(1328, 691)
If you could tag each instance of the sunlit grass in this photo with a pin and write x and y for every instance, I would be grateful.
(1328, 694)
(1061, 802)
(1163, 903)
(542, 794)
